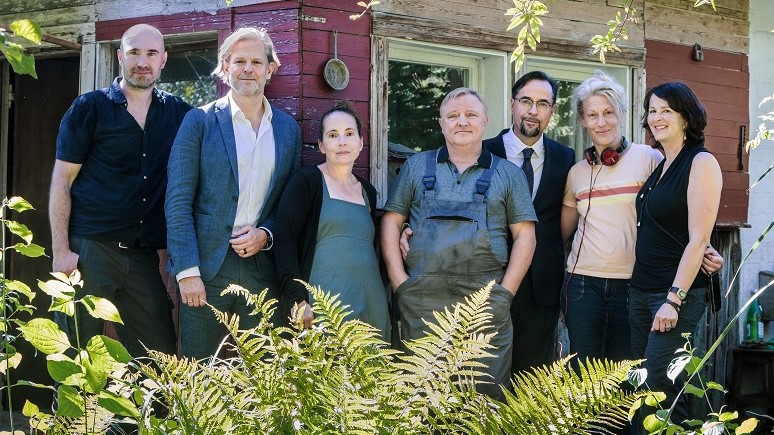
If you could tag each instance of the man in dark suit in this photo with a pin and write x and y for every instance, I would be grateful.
(228, 166)
(535, 308)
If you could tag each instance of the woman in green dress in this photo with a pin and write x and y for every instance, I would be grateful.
(326, 228)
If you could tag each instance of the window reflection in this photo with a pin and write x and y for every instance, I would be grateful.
(187, 75)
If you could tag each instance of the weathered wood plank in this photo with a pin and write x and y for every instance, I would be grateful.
(117, 9)
(315, 87)
(661, 71)
(686, 28)
(109, 30)
(349, 45)
(282, 20)
(684, 53)
(333, 19)
(566, 19)
(468, 36)
(738, 9)
(27, 7)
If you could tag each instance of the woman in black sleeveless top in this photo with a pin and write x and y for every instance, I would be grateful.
(676, 211)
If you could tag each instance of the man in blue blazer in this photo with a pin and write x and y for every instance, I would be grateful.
(535, 308)
(229, 164)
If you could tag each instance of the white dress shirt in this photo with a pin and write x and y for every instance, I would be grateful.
(255, 163)
(513, 152)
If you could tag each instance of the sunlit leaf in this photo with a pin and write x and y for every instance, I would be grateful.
(747, 426)
(19, 204)
(13, 362)
(20, 230)
(691, 389)
(69, 402)
(27, 29)
(32, 250)
(676, 366)
(117, 404)
(20, 287)
(713, 428)
(57, 289)
(101, 308)
(60, 367)
(45, 335)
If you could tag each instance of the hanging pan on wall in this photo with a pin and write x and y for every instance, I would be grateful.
(336, 73)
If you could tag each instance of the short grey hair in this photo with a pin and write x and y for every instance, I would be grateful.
(603, 85)
(243, 34)
(462, 91)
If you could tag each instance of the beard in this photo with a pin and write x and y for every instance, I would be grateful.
(140, 82)
(527, 132)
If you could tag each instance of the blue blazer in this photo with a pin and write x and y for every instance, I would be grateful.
(203, 186)
(547, 269)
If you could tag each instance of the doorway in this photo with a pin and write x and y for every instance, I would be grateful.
(33, 117)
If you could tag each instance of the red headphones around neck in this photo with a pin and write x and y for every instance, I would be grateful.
(609, 156)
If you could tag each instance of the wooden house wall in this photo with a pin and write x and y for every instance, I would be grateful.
(302, 32)
(721, 81)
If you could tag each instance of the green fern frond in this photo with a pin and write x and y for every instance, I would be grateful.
(556, 399)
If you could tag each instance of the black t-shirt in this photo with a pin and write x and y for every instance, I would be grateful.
(662, 221)
(119, 192)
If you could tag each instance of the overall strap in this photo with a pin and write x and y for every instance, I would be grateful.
(482, 185)
(429, 177)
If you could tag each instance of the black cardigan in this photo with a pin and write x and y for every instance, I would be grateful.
(295, 232)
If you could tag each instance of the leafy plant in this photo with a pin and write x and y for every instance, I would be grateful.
(525, 13)
(716, 422)
(339, 377)
(16, 296)
(21, 62)
(92, 379)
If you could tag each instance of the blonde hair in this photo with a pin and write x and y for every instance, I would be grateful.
(243, 34)
(603, 85)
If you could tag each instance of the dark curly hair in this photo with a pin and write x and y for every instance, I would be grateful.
(683, 101)
(345, 107)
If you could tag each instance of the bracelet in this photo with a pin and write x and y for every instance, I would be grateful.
(269, 239)
(674, 305)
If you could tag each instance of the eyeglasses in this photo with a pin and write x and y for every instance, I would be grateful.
(527, 103)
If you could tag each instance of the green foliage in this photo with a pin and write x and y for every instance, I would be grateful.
(602, 44)
(21, 62)
(339, 377)
(93, 390)
(589, 399)
(716, 422)
(16, 296)
(525, 14)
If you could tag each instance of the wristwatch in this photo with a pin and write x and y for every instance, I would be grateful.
(680, 292)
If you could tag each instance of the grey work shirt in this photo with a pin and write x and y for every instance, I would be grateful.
(508, 198)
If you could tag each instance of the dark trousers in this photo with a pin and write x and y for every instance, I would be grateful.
(659, 347)
(130, 279)
(596, 311)
(200, 331)
(534, 330)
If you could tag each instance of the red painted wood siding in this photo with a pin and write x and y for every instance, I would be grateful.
(302, 31)
(721, 82)
(354, 49)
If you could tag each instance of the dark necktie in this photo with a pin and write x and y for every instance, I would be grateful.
(527, 168)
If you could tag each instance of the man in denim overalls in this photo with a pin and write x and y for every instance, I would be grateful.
(462, 202)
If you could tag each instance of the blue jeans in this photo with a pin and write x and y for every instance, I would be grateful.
(596, 311)
(658, 348)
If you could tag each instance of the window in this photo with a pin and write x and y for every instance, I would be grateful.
(564, 127)
(420, 75)
(187, 74)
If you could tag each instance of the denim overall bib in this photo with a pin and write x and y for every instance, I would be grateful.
(450, 258)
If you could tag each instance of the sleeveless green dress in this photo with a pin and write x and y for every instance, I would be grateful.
(345, 261)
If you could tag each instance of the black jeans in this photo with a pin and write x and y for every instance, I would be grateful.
(658, 348)
(130, 279)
